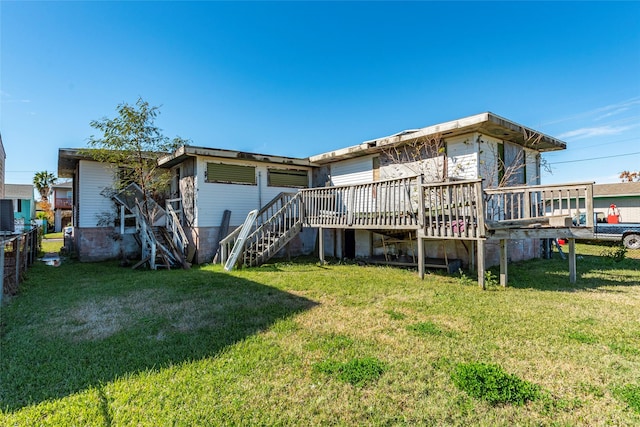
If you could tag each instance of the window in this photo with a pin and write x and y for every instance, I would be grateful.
(230, 174)
(288, 178)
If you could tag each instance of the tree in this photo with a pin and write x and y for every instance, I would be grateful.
(43, 182)
(133, 143)
(628, 176)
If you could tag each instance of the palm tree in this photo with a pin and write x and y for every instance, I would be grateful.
(43, 181)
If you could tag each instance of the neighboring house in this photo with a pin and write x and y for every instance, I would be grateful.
(3, 157)
(62, 204)
(24, 204)
(371, 200)
(625, 195)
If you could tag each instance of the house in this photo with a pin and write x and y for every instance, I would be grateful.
(485, 146)
(467, 190)
(93, 210)
(625, 195)
(62, 204)
(24, 204)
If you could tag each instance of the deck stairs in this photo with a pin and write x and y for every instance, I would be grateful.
(264, 233)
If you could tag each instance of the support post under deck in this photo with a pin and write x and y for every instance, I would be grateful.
(420, 255)
(321, 244)
(481, 263)
(572, 260)
(504, 277)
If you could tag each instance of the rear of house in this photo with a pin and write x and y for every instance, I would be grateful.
(214, 189)
(210, 181)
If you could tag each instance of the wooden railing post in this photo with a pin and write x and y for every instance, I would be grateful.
(480, 210)
(421, 206)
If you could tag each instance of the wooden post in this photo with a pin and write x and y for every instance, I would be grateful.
(421, 206)
(503, 262)
(420, 254)
(472, 256)
(121, 219)
(16, 248)
(481, 263)
(572, 260)
(321, 244)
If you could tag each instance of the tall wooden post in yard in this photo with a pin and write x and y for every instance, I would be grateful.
(503, 262)
(572, 261)
(481, 263)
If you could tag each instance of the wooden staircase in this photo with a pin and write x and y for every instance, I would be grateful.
(161, 237)
(275, 225)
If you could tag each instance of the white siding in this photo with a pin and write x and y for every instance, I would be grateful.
(462, 158)
(533, 167)
(212, 199)
(93, 178)
(352, 171)
(488, 165)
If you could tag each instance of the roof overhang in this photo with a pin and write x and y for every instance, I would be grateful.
(485, 123)
(186, 151)
(68, 159)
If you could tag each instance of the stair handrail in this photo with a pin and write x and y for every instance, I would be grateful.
(238, 246)
(277, 216)
(230, 239)
(147, 235)
(178, 235)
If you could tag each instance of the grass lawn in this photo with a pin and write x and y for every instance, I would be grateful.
(303, 344)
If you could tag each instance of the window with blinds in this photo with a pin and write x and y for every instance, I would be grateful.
(231, 174)
(288, 178)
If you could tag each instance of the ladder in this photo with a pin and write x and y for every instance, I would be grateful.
(238, 246)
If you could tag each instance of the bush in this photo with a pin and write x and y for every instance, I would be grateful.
(491, 383)
(616, 253)
(357, 372)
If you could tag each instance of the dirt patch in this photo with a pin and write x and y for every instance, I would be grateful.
(100, 319)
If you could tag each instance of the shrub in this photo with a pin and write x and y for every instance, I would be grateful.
(357, 372)
(616, 253)
(491, 383)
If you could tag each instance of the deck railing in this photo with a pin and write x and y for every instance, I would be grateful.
(389, 204)
(453, 210)
(539, 202)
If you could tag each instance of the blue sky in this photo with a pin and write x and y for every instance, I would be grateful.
(301, 78)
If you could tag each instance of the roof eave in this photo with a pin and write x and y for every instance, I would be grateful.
(486, 123)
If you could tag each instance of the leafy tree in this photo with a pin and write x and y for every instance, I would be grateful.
(628, 176)
(132, 142)
(43, 181)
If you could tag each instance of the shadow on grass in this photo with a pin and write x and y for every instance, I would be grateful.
(81, 325)
(593, 272)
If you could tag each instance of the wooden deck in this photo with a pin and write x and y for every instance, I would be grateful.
(457, 210)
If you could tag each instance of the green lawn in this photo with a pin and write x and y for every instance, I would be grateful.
(303, 344)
